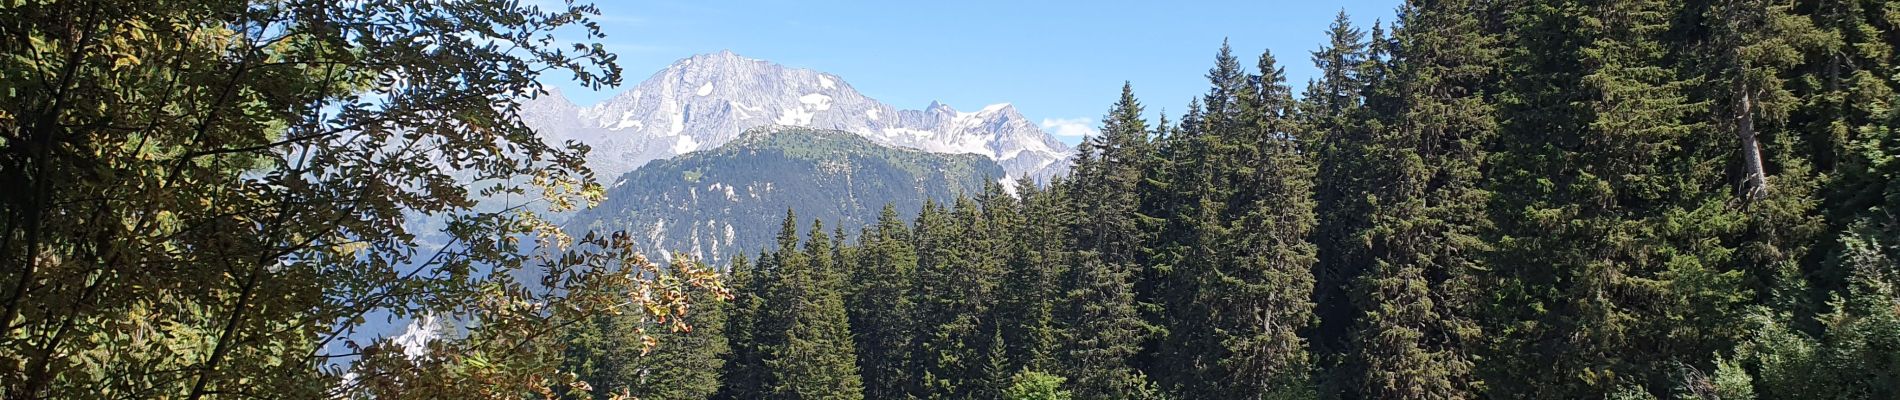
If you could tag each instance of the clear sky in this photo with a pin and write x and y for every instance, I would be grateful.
(1060, 62)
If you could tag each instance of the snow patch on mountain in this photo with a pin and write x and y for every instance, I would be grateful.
(818, 102)
(796, 116)
(627, 121)
(707, 100)
(686, 144)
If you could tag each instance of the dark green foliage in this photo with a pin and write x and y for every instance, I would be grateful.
(1267, 283)
(1424, 209)
(881, 305)
(1499, 199)
(744, 374)
(1333, 110)
(1233, 263)
(1031, 290)
(1846, 99)
(1187, 355)
(1100, 329)
(1855, 351)
(813, 357)
(1615, 222)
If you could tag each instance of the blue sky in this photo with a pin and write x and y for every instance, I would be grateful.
(1061, 63)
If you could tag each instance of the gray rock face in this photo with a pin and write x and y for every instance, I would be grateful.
(709, 99)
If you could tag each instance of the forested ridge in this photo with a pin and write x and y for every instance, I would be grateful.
(1504, 199)
(1620, 199)
(713, 204)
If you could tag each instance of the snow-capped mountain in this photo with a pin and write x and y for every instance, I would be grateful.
(706, 100)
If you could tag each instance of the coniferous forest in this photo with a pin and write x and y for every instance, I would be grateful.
(1568, 199)
(1551, 199)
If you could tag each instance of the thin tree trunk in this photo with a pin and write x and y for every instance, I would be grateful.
(1755, 178)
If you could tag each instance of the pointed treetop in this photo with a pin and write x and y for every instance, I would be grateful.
(819, 241)
(1227, 79)
(1124, 118)
(1342, 31)
(1271, 72)
(788, 230)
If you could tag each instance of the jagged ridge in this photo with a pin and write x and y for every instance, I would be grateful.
(707, 100)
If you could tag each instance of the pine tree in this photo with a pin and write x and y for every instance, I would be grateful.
(1849, 86)
(881, 307)
(1262, 290)
(778, 272)
(1099, 330)
(743, 376)
(1341, 122)
(952, 298)
(1850, 354)
(1750, 44)
(1030, 288)
(1333, 108)
(994, 231)
(1412, 340)
(808, 352)
(1111, 189)
(1844, 106)
(1187, 250)
(1615, 225)
(1032, 385)
(1101, 327)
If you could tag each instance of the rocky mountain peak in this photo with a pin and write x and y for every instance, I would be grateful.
(703, 101)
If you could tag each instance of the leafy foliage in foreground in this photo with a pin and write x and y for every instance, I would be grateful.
(209, 198)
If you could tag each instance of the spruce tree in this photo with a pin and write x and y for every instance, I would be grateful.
(1261, 291)
(1101, 328)
(1412, 339)
(1850, 354)
(1187, 248)
(1749, 45)
(1029, 290)
(952, 298)
(994, 231)
(1843, 112)
(1615, 223)
(743, 376)
(759, 320)
(1848, 83)
(881, 307)
(816, 360)
(1333, 111)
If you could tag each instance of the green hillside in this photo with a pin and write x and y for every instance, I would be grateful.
(712, 202)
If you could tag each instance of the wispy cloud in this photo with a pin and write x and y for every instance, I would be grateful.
(1070, 127)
